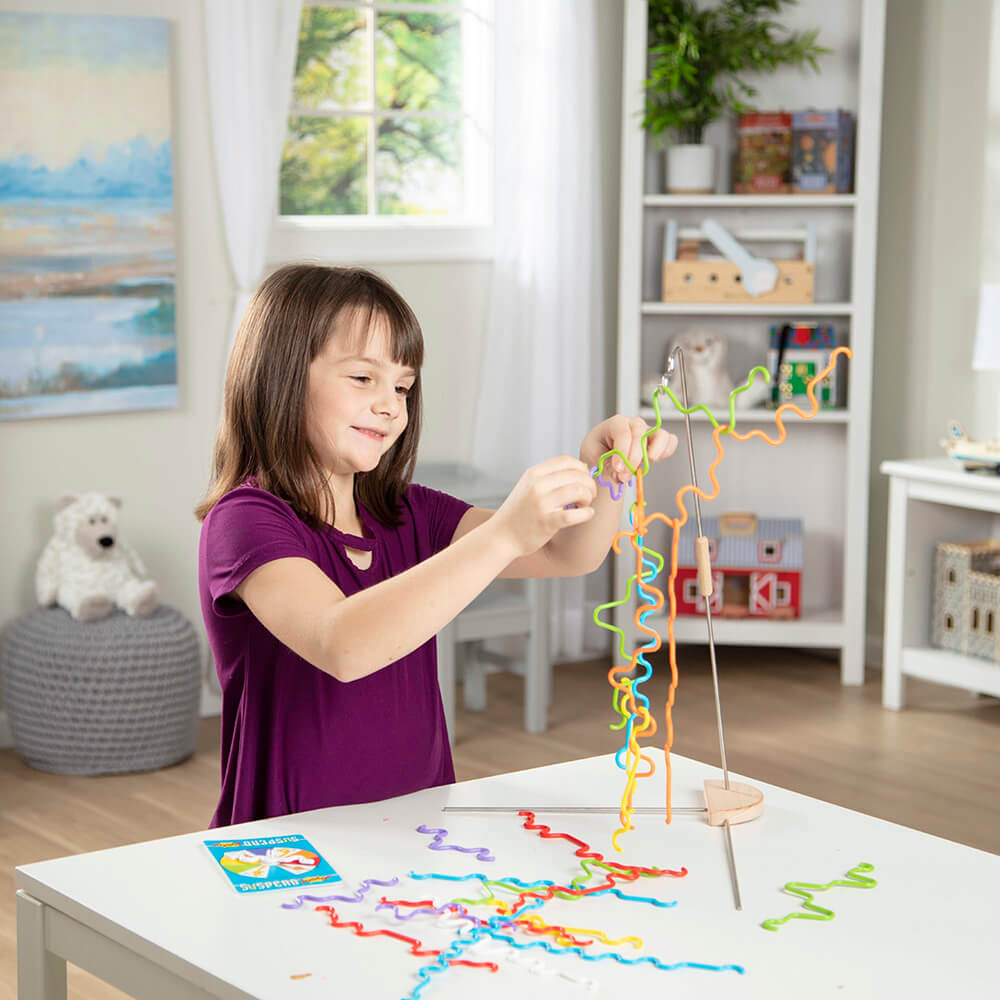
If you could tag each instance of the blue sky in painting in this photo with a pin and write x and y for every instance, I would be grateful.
(33, 41)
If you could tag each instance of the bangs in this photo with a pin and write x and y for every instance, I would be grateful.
(376, 311)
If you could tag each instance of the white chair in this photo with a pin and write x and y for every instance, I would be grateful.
(498, 612)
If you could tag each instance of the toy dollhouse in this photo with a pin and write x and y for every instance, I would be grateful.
(966, 608)
(756, 567)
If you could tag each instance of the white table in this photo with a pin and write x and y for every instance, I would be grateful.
(930, 500)
(158, 921)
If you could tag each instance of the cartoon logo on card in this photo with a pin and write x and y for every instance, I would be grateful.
(269, 862)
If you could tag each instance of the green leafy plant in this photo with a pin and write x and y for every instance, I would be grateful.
(696, 56)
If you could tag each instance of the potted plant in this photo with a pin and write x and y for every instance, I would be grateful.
(695, 58)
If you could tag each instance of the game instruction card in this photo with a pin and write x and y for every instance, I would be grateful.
(262, 863)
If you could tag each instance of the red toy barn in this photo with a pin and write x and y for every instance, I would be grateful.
(756, 567)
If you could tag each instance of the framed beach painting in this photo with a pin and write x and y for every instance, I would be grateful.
(86, 216)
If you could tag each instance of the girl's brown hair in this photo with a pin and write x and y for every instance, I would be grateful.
(263, 431)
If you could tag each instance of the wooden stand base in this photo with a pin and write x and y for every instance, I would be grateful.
(738, 803)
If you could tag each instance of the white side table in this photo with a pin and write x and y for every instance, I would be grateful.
(930, 500)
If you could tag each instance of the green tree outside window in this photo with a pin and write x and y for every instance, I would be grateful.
(396, 151)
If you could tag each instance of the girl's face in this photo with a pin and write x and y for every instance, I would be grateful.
(356, 397)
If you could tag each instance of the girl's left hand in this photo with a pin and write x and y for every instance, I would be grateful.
(624, 434)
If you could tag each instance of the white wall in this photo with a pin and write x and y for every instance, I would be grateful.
(931, 223)
(159, 460)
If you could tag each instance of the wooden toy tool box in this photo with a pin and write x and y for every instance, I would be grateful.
(690, 277)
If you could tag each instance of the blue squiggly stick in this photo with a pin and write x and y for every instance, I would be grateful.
(482, 878)
(481, 853)
(665, 966)
(356, 898)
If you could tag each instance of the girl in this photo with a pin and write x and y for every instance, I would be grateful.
(324, 573)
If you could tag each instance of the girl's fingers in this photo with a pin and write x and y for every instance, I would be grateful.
(661, 444)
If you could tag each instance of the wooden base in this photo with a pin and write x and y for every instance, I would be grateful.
(738, 803)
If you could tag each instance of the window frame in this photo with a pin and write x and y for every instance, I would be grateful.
(413, 238)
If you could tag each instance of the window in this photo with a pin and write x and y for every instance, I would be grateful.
(951, 576)
(989, 623)
(690, 590)
(975, 619)
(769, 551)
(389, 128)
(949, 623)
(782, 595)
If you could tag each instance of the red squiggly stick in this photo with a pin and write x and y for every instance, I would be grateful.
(584, 851)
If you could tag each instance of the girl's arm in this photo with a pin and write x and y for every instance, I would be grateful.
(352, 637)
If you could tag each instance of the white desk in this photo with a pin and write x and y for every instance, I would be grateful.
(158, 921)
(930, 500)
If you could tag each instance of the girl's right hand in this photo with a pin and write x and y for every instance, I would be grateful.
(552, 495)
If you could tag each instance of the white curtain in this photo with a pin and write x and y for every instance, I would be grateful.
(542, 367)
(250, 49)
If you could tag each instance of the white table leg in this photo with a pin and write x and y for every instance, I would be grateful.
(40, 974)
(473, 676)
(893, 682)
(538, 676)
(446, 675)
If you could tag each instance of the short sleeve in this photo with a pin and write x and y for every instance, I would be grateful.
(247, 528)
(441, 512)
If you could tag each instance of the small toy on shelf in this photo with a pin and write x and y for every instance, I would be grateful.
(756, 567)
(965, 615)
(741, 277)
(973, 456)
(796, 352)
(822, 152)
(764, 154)
(706, 354)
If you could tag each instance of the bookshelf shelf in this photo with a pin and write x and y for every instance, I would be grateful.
(803, 201)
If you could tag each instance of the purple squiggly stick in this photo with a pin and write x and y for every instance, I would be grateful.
(444, 908)
(481, 853)
(617, 489)
(364, 887)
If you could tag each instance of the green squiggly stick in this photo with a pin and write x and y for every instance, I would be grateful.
(854, 880)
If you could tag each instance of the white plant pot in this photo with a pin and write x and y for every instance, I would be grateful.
(690, 169)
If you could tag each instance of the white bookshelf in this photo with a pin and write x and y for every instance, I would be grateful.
(821, 472)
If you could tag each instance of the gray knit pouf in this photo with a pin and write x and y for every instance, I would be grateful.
(105, 697)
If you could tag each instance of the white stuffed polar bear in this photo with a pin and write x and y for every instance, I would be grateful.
(86, 568)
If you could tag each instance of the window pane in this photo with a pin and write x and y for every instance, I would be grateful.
(331, 68)
(324, 167)
(417, 167)
(417, 62)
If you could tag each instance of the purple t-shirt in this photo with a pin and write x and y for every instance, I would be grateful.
(294, 737)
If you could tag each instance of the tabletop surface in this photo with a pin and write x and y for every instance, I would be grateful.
(940, 469)
(928, 928)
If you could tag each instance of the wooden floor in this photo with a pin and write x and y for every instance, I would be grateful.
(934, 766)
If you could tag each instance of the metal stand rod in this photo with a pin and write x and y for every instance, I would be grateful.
(708, 604)
(592, 810)
(732, 865)
(679, 354)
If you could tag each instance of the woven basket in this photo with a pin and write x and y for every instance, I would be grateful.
(111, 696)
